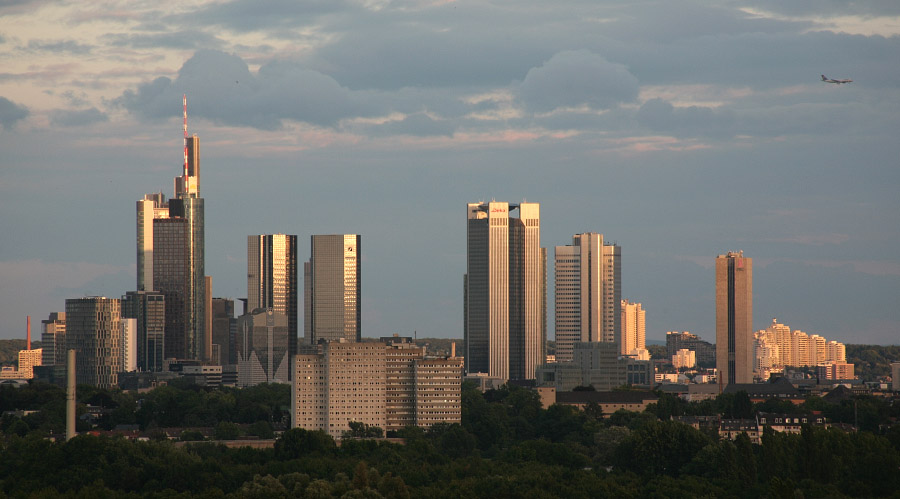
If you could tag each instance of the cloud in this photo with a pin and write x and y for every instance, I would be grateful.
(577, 78)
(418, 124)
(220, 87)
(185, 39)
(59, 46)
(251, 15)
(10, 113)
(69, 118)
(661, 116)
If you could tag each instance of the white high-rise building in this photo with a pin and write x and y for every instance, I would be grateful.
(504, 290)
(588, 294)
(634, 329)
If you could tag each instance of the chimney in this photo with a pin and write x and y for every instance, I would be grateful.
(453, 349)
(28, 341)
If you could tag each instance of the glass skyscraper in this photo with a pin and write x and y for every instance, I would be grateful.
(272, 278)
(332, 288)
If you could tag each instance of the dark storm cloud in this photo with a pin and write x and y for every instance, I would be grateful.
(10, 113)
(577, 78)
(68, 46)
(221, 88)
(69, 118)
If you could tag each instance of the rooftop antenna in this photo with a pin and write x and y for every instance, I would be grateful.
(186, 180)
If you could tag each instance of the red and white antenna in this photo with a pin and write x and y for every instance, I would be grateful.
(186, 178)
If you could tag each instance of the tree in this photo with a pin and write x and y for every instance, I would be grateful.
(227, 431)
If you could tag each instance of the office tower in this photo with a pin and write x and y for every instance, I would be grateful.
(734, 318)
(633, 325)
(129, 345)
(94, 331)
(390, 384)
(262, 347)
(272, 278)
(332, 288)
(504, 290)
(223, 328)
(148, 308)
(53, 339)
(178, 269)
(153, 206)
(588, 293)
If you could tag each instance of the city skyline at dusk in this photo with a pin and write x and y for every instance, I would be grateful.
(679, 131)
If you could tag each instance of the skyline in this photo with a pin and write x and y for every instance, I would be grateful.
(680, 131)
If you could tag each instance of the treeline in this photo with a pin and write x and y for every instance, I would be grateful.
(9, 350)
(506, 446)
(872, 362)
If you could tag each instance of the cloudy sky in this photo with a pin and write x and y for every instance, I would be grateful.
(680, 130)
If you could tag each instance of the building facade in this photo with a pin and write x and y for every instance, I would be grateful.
(94, 331)
(53, 339)
(706, 351)
(148, 308)
(261, 347)
(151, 207)
(504, 291)
(224, 331)
(272, 278)
(588, 294)
(389, 384)
(634, 328)
(734, 318)
(332, 280)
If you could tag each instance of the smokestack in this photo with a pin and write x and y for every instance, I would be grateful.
(70, 396)
(453, 349)
(28, 338)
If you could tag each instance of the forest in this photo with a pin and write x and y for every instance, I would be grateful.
(506, 446)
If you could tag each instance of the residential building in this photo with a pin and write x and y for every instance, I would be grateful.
(272, 278)
(94, 331)
(684, 358)
(589, 295)
(28, 360)
(705, 351)
(504, 291)
(332, 280)
(389, 384)
(634, 329)
(835, 370)
(734, 318)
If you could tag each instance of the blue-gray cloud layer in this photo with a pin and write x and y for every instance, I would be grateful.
(10, 113)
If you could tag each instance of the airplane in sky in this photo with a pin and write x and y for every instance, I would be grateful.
(830, 80)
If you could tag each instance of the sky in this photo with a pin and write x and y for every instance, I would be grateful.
(680, 130)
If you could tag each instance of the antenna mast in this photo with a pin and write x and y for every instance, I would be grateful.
(186, 180)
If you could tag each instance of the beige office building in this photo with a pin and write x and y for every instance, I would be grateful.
(734, 318)
(588, 294)
(332, 284)
(634, 328)
(504, 291)
(389, 384)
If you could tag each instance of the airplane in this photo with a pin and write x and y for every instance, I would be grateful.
(830, 80)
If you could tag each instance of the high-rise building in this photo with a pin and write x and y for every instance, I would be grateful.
(148, 308)
(634, 329)
(734, 319)
(588, 294)
(94, 331)
(706, 352)
(504, 291)
(170, 253)
(390, 384)
(261, 347)
(224, 329)
(53, 339)
(129, 344)
(332, 288)
(272, 278)
(153, 206)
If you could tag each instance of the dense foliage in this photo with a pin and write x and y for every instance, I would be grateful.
(872, 362)
(507, 446)
(9, 350)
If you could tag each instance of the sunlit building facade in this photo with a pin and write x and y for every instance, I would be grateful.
(734, 318)
(272, 278)
(332, 289)
(94, 331)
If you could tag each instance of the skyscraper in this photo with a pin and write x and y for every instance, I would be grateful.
(332, 288)
(262, 347)
(634, 329)
(53, 339)
(94, 331)
(177, 255)
(148, 308)
(734, 318)
(224, 329)
(272, 278)
(588, 293)
(504, 295)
